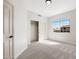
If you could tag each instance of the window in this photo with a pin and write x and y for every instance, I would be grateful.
(61, 24)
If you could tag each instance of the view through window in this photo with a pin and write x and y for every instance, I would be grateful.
(61, 24)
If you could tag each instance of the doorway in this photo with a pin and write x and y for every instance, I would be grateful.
(7, 30)
(34, 31)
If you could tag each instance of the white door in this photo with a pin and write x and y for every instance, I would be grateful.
(7, 31)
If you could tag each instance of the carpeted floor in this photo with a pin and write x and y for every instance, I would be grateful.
(48, 50)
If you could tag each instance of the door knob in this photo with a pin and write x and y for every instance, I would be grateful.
(10, 36)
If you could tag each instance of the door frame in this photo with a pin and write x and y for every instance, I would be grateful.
(12, 6)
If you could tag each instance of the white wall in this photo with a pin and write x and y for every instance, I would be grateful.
(42, 25)
(20, 27)
(63, 37)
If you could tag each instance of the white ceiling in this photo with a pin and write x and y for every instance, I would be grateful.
(59, 6)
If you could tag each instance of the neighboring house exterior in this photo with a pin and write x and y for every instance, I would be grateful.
(65, 28)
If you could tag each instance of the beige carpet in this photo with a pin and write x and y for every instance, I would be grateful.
(48, 50)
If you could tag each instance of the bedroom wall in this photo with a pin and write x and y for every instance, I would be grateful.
(20, 27)
(63, 37)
